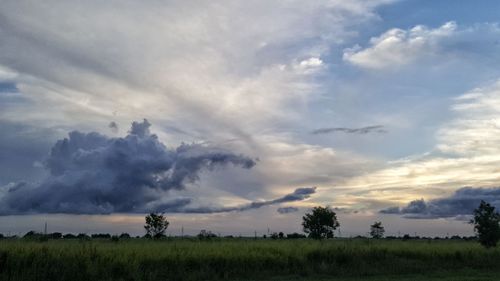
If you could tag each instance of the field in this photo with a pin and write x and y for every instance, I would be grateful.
(247, 259)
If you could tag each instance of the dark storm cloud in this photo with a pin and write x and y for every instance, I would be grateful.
(362, 131)
(460, 204)
(298, 195)
(286, 210)
(94, 174)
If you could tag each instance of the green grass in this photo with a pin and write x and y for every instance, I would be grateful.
(247, 259)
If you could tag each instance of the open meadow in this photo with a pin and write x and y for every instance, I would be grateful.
(247, 259)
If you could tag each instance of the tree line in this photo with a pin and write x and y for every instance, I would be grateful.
(320, 223)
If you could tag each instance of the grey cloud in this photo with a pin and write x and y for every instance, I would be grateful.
(298, 195)
(346, 210)
(286, 210)
(113, 126)
(362, 131)
(460, 204)
(140, 129)
(94, 174)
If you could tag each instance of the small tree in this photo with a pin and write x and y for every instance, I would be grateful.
(206, 235)
(320, 223)
(156, 225)
(377, 230)
(486, 224)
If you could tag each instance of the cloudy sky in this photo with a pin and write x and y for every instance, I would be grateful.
(239, 116)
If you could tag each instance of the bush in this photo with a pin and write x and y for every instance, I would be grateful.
(101, 235)
(124, 236)
(83, 236)
(55, 235)
(69, 236)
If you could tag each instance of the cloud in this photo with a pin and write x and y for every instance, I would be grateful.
(299, 194)
(466, 154)
(459, 205)
(7, 75)
(363, 131)
(210, 74)
(286, 210)
(93, 174)
(397, 47)
(164, 73)
(113, 126)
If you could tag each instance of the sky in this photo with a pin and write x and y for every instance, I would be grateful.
(240, 116)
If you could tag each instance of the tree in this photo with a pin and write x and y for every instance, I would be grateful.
(124, 236)
(486, 224)
(377, 230)
(320, 223)
(156, 224)
(206, 235)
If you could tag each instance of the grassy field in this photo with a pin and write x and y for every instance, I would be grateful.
(247, 259)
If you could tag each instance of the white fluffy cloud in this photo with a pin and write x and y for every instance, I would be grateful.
(397, 47)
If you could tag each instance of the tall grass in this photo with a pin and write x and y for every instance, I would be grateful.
(229, 259)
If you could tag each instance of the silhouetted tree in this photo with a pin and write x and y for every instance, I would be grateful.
(377, 230)
(156, 225)
(31, 234)
(36, 236)
(69, 236)
(486, 224)
(281, 235)
(274, 235)
(320, 223)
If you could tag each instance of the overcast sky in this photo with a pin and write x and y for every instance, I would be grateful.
(239, 116)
